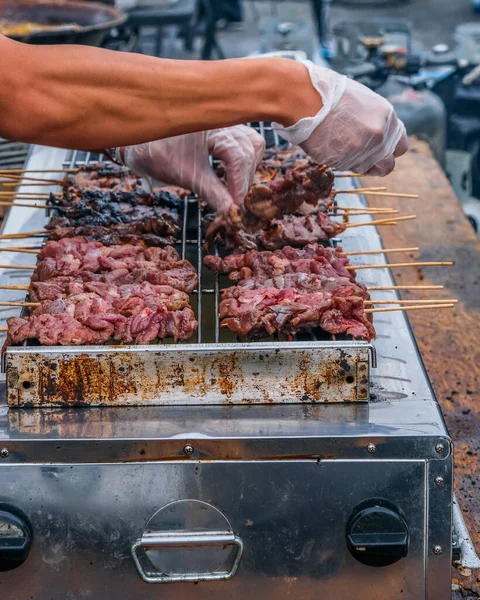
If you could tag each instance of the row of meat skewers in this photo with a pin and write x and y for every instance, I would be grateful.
(121, 281)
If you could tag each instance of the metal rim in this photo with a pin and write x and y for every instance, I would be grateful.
(117, 18)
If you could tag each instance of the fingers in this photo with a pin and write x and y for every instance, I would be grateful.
(382, 168)
(402, 145)
(257, 140)
(212, 190)
(241, 149)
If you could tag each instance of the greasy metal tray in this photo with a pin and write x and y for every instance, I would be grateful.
(216, 370)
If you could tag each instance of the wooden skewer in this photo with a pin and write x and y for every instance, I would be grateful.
(24, 250)
(17, 194)
(430, 301)
(30, 304)
(359, 190)
(404, 308)
(3, 329)
(72, 170)
(379, 193)
(29, 268)
(22, 177)
(393, 195)
(413, 264)
(17, 184)
(348, 208)
(42, 199)
(388, 251)
(404, 287)
(23, 205)
(360, 213)
(15, 287)
(27, 234)
(350, 175)
(382, 221)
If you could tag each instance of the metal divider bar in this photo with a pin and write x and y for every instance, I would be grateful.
(199, 271)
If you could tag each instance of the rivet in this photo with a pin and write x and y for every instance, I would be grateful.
(437, 550)
(4, 452)
(371, 448)
(188, 450)
(439, 448)
(439, 480)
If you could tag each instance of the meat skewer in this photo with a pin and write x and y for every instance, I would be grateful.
(382, 221)
(22, 177)
(395, 265)
(26, 267)
(404, 308)
(429, 301)
(386, 194)
(382, 251)
(22, 303)
(375, 288)
(23, 205)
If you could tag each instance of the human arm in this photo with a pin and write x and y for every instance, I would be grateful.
(86, 98)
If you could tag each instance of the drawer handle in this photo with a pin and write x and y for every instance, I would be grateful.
(184, 539)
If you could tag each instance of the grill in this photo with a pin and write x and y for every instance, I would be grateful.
(216, 369)
(259, 491)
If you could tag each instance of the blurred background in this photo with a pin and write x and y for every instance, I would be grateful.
(423, 55)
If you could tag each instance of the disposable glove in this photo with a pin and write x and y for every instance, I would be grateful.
(356, 129)
(184, 161)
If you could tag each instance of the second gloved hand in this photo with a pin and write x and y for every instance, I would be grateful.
(356, 129)
(184, 161)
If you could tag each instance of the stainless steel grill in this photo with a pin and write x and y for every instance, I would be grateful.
(217, 368)
(287, 478)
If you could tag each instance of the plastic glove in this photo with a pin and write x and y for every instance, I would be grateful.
(184, 161)
(356, 129)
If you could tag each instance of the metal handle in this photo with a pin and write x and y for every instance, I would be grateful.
(162, 540)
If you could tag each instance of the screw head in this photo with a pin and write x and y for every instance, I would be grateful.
(437, 550)
(371, 448)
(439, 448)
(188, 450)
(439, 480)
(4, 452)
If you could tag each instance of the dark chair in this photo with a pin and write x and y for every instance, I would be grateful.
(185, 15)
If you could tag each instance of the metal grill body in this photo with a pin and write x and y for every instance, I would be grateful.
(228, 498)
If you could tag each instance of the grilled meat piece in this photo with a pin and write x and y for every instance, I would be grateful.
(314, 258)
(121, 296)
(99, 198)
(293, 230)
(283, 159)
(127, 264)
(107, 237)
(307, 183)
(256, 312)
(101, 175)
(148, 219)
(291, 290)
(52, 328)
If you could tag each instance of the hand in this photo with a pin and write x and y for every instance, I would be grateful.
(184, 160)
(356, 129)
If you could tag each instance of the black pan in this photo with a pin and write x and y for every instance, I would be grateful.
(73, 22)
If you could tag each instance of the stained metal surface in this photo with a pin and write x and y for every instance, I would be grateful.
(291, 516)
(188, 374)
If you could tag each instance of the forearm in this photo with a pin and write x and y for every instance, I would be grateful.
(82, 97)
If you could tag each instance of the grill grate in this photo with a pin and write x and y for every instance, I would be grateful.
(207, 295)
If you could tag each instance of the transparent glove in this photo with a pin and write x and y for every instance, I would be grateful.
(184, 161)
(356, 129)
